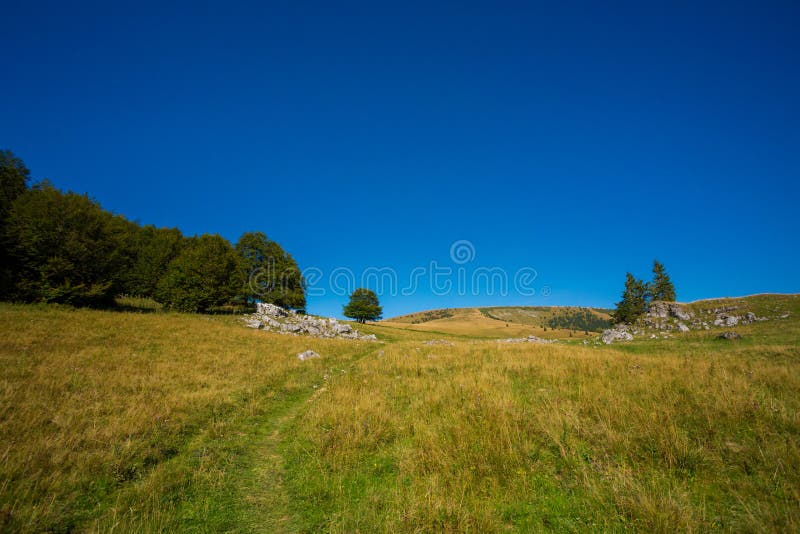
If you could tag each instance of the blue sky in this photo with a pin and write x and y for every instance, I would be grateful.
(577, 139)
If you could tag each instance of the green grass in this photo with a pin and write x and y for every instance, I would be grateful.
(166, 422)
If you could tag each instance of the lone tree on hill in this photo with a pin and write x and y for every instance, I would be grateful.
(661, 288)
(363, 306)
(634, 301)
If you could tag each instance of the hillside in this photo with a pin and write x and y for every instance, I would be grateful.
(552, 322)
(146, 422)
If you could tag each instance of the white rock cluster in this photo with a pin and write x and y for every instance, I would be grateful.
(665, 317)
(529, 339)
(276, 319)
(618, 333)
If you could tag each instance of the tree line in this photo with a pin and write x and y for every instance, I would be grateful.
(638, 294)
(63, 247)
(582, 319)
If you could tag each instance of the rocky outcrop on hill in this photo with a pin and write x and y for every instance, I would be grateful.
(662, 319)
(276, 319)
(667, 316)
(618, 333)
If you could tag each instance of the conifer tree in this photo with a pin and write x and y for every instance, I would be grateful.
(661, 288)
(634, 300)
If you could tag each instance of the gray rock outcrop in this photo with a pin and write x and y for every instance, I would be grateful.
(276, 319)
(618, 333)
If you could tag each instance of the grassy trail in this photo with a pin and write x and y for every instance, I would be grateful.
(259, 487)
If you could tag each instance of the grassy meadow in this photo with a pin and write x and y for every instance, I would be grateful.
(162, 422)
(490, 323)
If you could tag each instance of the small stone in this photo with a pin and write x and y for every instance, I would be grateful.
(307, 355)
(729, 335)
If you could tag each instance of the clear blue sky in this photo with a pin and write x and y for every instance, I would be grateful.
(579, 140)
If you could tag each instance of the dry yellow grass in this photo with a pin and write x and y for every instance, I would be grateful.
(471, 322)
(532, 437)
(95, 406)
(166, 422)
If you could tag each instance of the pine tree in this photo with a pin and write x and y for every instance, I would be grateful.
(661, 288)
(634, 301)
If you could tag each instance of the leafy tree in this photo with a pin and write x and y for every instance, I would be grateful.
(661, 288)
(156, 248)
(268, 273)
(14, 178)
(64, 248)
(634, 301)
(203, 275)
(363, 306)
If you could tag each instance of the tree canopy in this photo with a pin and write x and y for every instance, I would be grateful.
(634, 300)
(268, 273)
(661, 288)
(363, 306)
(14, 178)
(64, 247)
(637, 294)
(202, 276)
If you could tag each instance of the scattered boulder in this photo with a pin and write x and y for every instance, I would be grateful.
(342, 328)
(529, 339)
(271, 310)
(682, 327)
(618, 333)
(658, 310)
(724, 319)
(679, 312)
(664, 310)
(307, 355)
(439, 342)
(729, 335)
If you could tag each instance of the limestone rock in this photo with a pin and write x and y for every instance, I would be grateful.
(724, 319)
(617, 333)
(307, 355)
(276, 319)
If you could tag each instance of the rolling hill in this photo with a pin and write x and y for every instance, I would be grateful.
(554, 322)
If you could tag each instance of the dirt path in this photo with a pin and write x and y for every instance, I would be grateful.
(262, 485)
